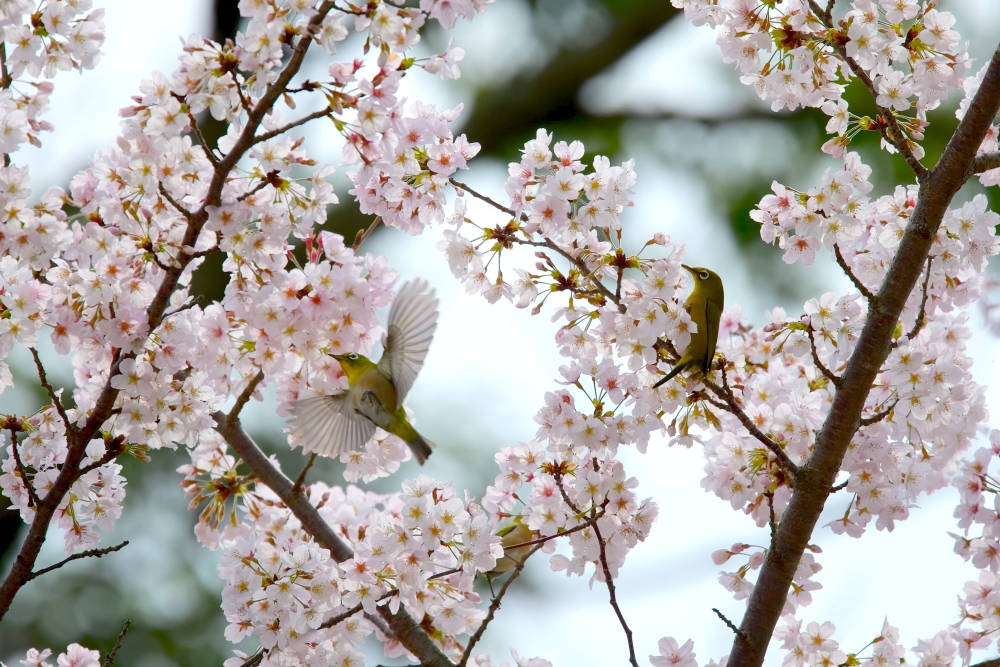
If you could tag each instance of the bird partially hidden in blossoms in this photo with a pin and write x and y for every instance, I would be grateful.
(332, 425)
(705, 308)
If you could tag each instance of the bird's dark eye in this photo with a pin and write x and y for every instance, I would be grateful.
(352, 356)
(703, 275)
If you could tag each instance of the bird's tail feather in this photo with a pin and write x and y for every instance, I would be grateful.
(676, 369)
(421, 448)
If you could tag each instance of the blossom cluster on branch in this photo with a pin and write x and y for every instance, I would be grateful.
(312, 571)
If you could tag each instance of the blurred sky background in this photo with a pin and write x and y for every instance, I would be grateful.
(632, 80)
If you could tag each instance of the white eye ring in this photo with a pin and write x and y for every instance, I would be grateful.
(352, 356)
(703, 275)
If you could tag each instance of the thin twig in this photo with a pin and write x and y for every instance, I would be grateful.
(264, 182)
(51, 392)
(365, 233)
(614, 600)
(542, 540)
(730, 405)
(729, 624)
(860, 286)
(201, 140)
(295, 123)
(96, 553)
(874, 419)
(115, 450)
(494, 606)
(895, 134)
(842, 485)
(482, 197)
(32, 496)
(109, 659)
(180, 209)
(300, 480)
(922, 314)
(819, 364)
(255, 659)
(339, 618)
(244, 396)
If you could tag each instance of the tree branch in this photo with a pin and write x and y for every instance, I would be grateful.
(295, 123)
(494, 606)
(730, 405)
(827, 373)
(921, 320)
(50, 391)
(91, 553)
(28, 486)
(104, 405)
(860, 286)
(815, 479)
(614, 599)
(109, 659)
(984, 162)
(406, 630)
(895, 133)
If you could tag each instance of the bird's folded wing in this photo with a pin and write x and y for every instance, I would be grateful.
(328, 426)
(412, 322)
(713, 313)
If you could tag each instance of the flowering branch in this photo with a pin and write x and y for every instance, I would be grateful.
(729, 404)
(609, 580)
(816, 478)
(494, 606)
(408, 632)
(78, 439)
(893, 133)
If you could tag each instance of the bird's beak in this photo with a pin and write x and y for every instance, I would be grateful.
(690, 270)
(338, 357)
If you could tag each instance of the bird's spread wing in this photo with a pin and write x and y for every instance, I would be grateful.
(328, 426)
(713, 313)
(412, 322)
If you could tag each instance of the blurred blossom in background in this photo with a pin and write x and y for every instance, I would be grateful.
(630, 79)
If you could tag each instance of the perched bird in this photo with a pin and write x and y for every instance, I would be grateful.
(514, 533)
(331, 425)
(705, 308)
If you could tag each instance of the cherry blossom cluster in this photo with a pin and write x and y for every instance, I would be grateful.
(44, 39)
(95, 500)
(979, 543)
(572, 490)
(924, 409)
(421, 549)
(796, 54)
(814, 646)
(75, 656)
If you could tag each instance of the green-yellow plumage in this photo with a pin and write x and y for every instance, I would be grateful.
(331, 425)
(705, 308)
(514, 533)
